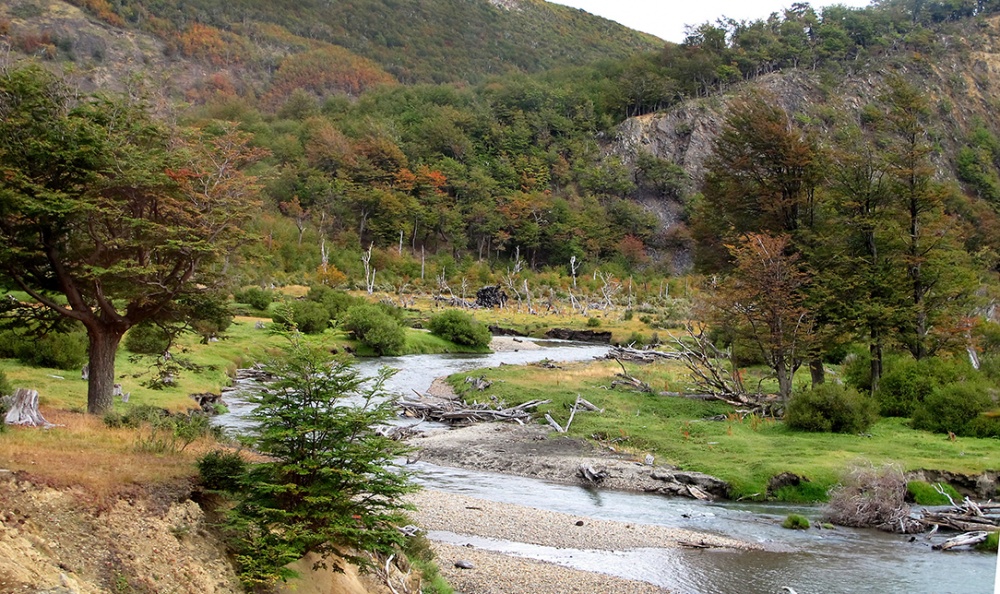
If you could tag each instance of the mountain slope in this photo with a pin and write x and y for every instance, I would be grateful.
(413, 40)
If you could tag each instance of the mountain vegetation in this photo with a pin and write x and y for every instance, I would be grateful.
(832, 172)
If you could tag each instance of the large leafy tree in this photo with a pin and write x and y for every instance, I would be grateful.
(107, 218)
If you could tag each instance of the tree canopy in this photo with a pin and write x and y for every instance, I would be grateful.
(108, 218)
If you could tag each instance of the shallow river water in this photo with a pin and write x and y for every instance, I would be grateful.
(839, 561)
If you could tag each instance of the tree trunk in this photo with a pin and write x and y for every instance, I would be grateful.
(784, 381)
(816, 371)
(875, 348)
(104, 341)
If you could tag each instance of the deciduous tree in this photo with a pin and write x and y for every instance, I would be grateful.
(105, 217)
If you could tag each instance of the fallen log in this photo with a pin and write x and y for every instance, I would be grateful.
(627, 353)
(962, 540)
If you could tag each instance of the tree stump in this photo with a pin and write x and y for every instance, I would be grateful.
(24, 410)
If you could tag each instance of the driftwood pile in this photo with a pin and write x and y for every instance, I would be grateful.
(457, 412)
(633, 355)
(966, 517)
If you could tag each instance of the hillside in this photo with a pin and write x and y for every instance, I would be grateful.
(269, 48)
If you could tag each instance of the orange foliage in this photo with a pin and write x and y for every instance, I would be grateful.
(215, 87)
(633, 250)
(208, 43)
(324, 72)
(102, 10)
(425, 181)
(35, 42)
(330, 275)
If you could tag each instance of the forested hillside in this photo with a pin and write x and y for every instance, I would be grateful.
(643, 164)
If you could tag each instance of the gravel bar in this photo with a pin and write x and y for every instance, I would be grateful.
(496, 573)
(437, 510)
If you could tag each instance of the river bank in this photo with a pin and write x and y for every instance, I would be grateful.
(471, 519)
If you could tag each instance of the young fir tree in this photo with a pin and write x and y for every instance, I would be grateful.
(329, 486)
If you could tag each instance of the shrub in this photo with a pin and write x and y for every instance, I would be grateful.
(460, 328)
(60, 350)
(147, 339)
(926, 494)
(953, 407)
(796, 522)
(222, 470)
(831, 407)
(908, 382)
(593, 323)
(328, 481)
(255, 297)
(371, 325)
(5, 388)
(335, 302)
(985, 425)
(308, 317)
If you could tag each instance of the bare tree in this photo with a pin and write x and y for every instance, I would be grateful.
(366, 258)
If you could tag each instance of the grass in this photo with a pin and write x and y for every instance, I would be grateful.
(926, 494)
(745, 452)
(82, 452)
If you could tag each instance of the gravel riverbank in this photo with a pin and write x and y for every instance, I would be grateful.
(531, 450)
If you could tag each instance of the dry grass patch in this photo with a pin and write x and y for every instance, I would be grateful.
(82, 452)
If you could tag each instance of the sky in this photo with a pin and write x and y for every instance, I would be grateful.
(666, 18)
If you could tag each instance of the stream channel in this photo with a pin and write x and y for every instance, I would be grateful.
(838, 561)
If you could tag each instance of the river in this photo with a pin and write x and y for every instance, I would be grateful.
(838, 561)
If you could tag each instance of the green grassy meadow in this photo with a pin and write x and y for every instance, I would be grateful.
(744, 451)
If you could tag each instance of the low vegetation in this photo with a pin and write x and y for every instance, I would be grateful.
(746, 450)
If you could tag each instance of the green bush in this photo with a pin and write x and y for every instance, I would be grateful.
(953, 407)
(5, 388)
(147, 339)
(985, 425)
(308, 316)
(593, 323)
(796, 522)
(857, 369)
(831, 407)
(925, 493)
(908, 382)
(222, 470)
(460, 328)
(371, 325)
(60, 350)
(255, 297)
(335, 302)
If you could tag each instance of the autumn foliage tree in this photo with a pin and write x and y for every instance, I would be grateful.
(106, 217)
(762, 302)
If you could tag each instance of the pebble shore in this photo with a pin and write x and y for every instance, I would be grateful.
(497, 573)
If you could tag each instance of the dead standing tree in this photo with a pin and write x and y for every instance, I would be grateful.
(366, 259)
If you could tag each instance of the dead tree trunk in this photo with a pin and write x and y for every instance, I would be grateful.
(24, 409)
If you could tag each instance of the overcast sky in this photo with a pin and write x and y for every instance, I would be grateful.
(666, 18)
